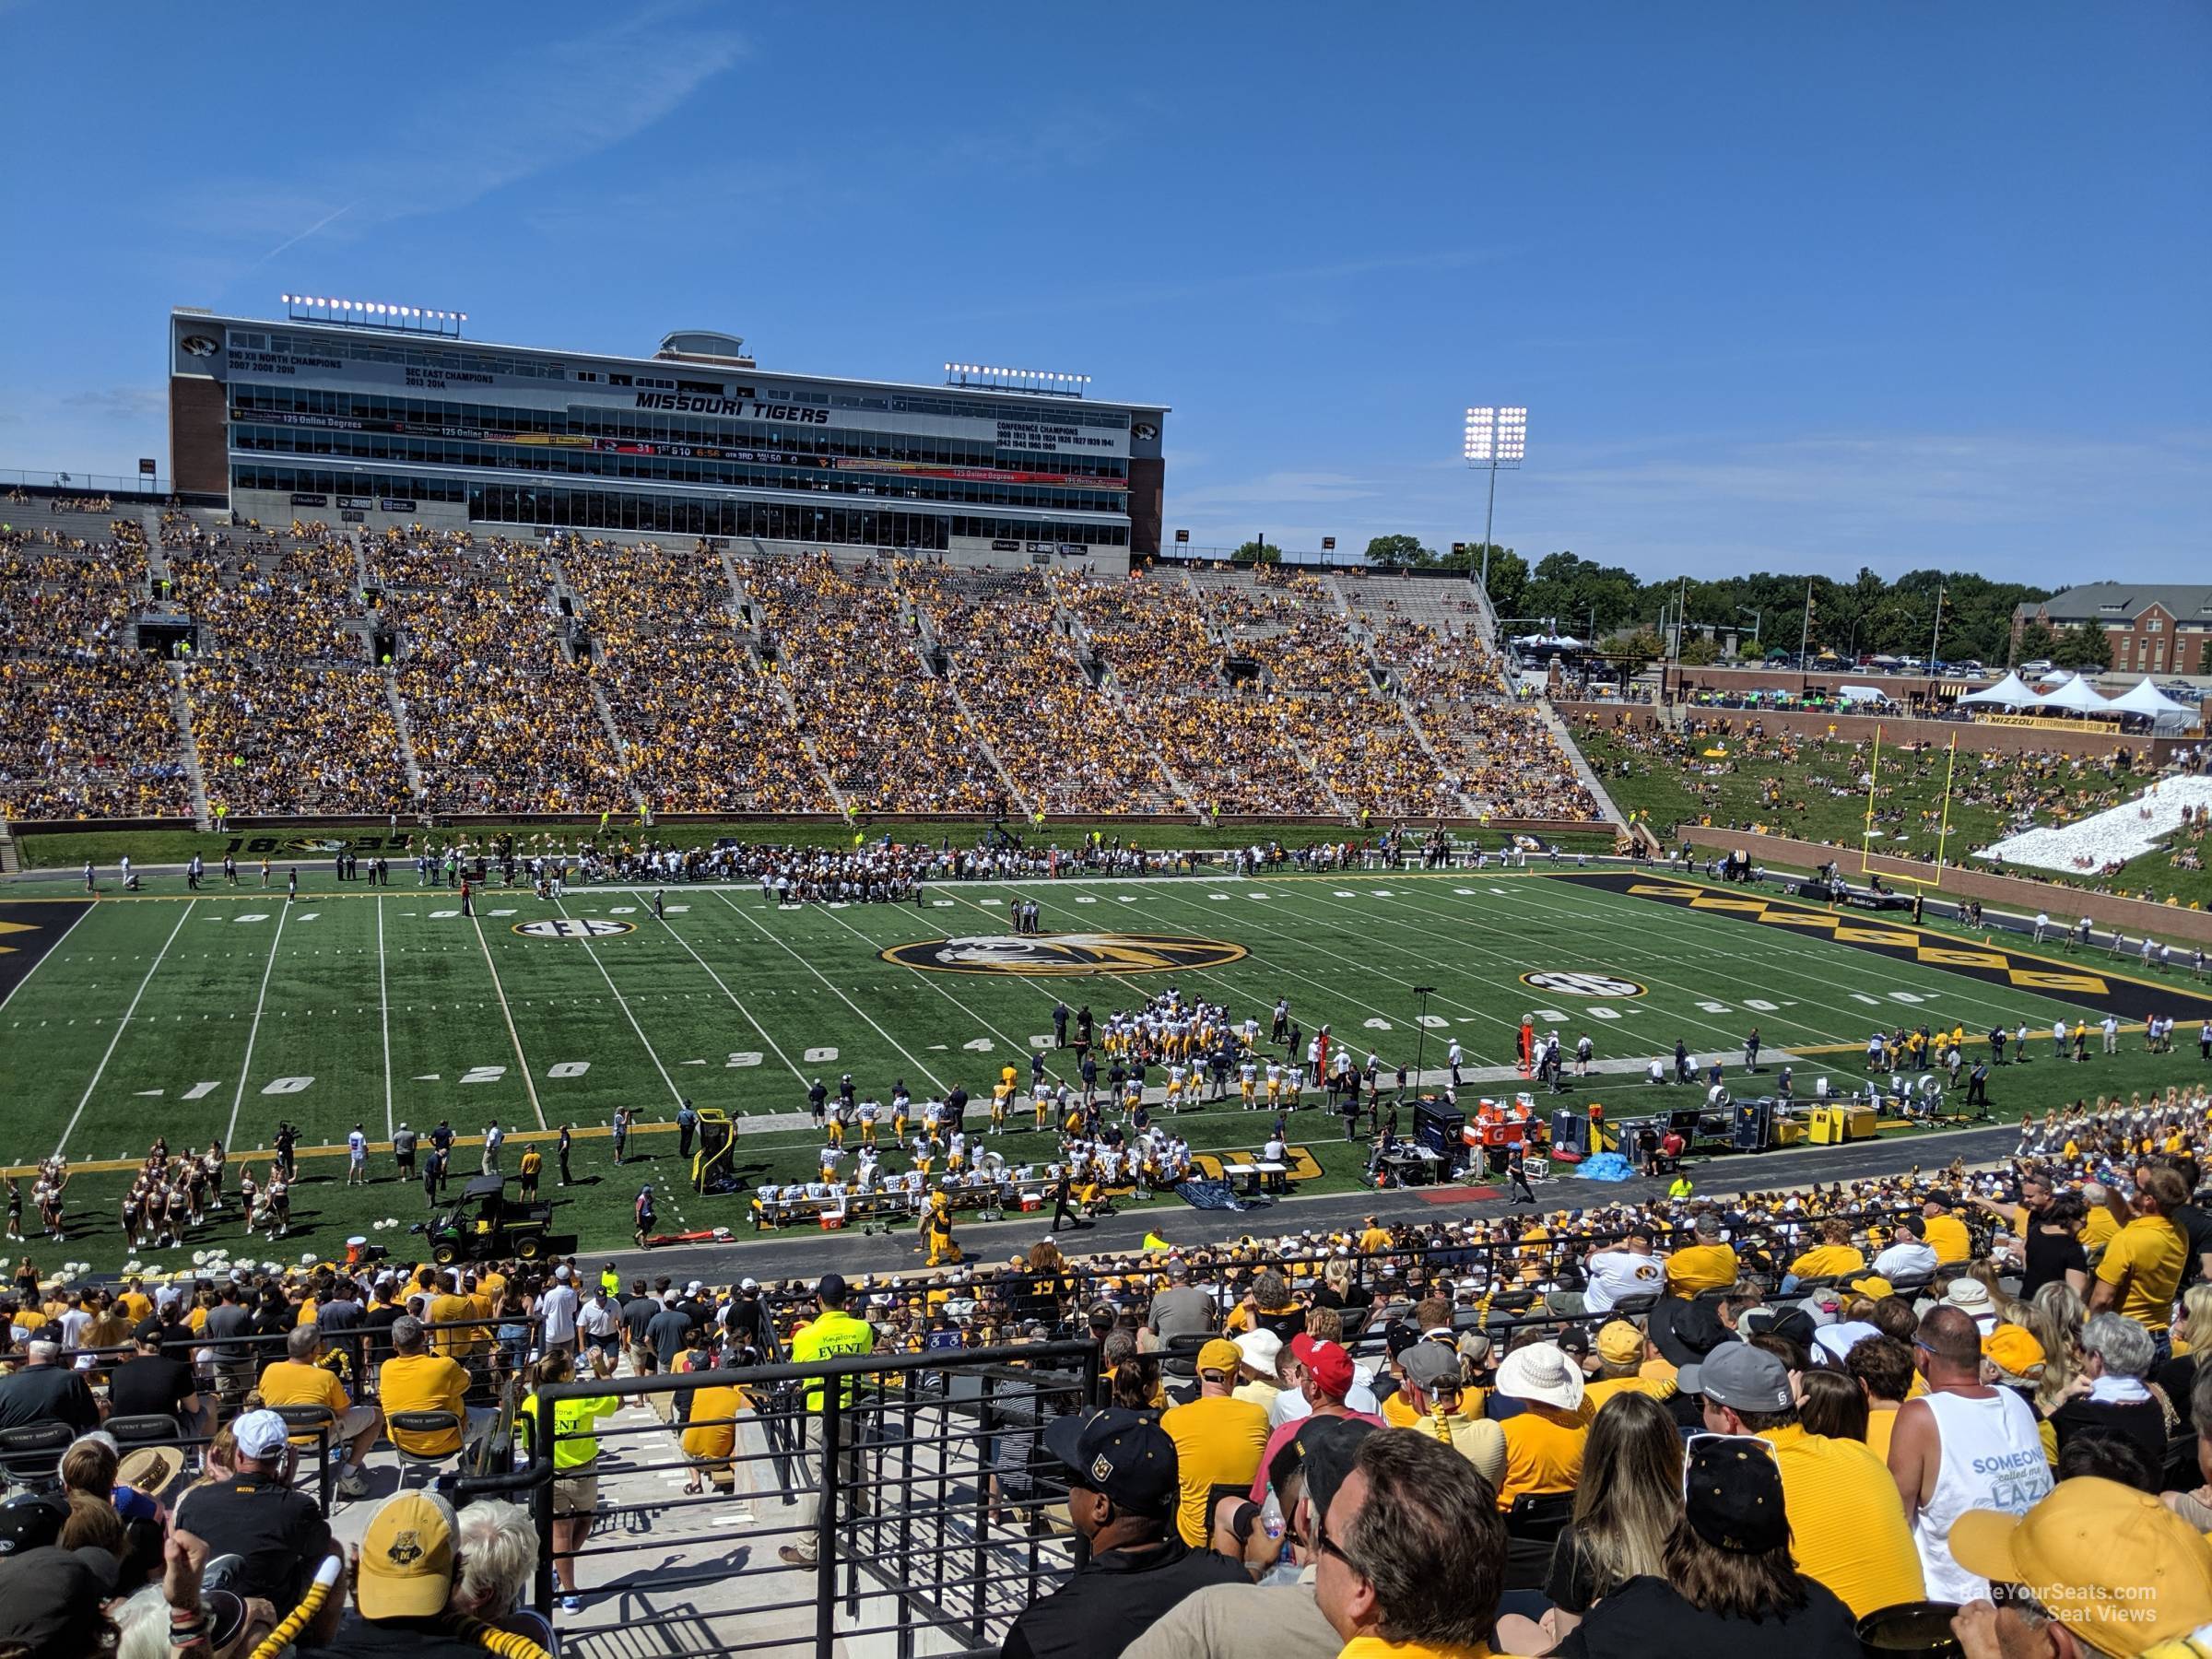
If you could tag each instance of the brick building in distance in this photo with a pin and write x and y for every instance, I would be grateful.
(2152, 627)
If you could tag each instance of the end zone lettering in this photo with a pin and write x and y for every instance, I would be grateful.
(684, 403)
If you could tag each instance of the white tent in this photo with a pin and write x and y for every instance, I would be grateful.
(2143, 698)
(2011, 692)
(2075, 697)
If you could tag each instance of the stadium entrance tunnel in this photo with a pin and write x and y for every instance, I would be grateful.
(2088, 985)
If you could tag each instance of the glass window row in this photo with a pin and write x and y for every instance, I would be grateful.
(632, 510)
(588, 462)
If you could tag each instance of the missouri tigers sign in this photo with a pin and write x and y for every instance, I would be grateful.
(1070, 953)
(1590, 987)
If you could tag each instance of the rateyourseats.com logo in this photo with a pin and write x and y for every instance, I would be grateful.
(1065, 953)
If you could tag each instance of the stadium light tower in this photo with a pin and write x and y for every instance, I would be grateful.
(1496, 437)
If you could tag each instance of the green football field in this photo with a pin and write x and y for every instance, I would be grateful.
(217, 1015)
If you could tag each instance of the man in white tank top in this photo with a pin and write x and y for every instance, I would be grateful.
(1963, 1445)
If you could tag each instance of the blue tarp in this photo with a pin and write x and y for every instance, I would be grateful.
(1604, 1166)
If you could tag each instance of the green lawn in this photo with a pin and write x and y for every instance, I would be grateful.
(219, 1015)
(1816, 792)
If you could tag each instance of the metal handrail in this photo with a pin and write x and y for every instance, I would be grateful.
(835, 1379)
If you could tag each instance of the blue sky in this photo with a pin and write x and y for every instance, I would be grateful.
(1785, 286)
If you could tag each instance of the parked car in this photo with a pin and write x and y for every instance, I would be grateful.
(2041, 666)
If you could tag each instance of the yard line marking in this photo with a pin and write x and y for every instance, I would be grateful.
(120, 1025)
(623, 1003)
(51, 951)
(521, 1062)
(245, 1067)
(383, 1010)
(741, 1008)
(912, 1059)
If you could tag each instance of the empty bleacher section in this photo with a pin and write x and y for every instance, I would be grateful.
(582, 676)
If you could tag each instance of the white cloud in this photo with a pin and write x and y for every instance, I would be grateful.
(529, 114)
(121, 403)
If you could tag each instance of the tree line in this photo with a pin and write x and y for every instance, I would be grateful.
(1868, 615)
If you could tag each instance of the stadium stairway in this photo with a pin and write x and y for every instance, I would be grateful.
(1014, 792)
(1588, 779)
(1405, 713)
(614, 735)
(188, 746)
(393, 701)
(807, 743)
(1087, 654)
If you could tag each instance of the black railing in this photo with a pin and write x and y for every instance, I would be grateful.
(918, 1487)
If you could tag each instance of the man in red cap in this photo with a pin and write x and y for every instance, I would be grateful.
(1325, 1376)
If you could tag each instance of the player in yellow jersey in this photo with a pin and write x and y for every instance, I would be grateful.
(1002, 1098)
(836, 1130)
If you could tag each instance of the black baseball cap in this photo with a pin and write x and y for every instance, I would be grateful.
(1127, 1457)
(30, 1521)
(50, 1600)
(1731, 1493)
(1323, 1449)
(830, 1287)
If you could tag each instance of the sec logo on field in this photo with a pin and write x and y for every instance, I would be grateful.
(1589, 987)
(572, 927)
(1063, 953)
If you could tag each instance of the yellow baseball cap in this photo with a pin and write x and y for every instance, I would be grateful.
(1873, 1284)
(1220, 1355)
(407, 1558)
(2014, 1350)
(1619, 1343)
(2116, 1567)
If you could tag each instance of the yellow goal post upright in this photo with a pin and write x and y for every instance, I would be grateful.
(1943, 833)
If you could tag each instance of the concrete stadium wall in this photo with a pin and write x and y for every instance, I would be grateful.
(2018, 894)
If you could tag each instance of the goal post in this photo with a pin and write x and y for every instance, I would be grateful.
(1943, 830)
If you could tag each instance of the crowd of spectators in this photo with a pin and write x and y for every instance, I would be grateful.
(502, 715)
(707, 729)
(87, 724)
(815, 683)
(1013, 660)
(1675, 1425)
(889, 736)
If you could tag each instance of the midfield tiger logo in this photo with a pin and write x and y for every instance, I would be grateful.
(1070, 953)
